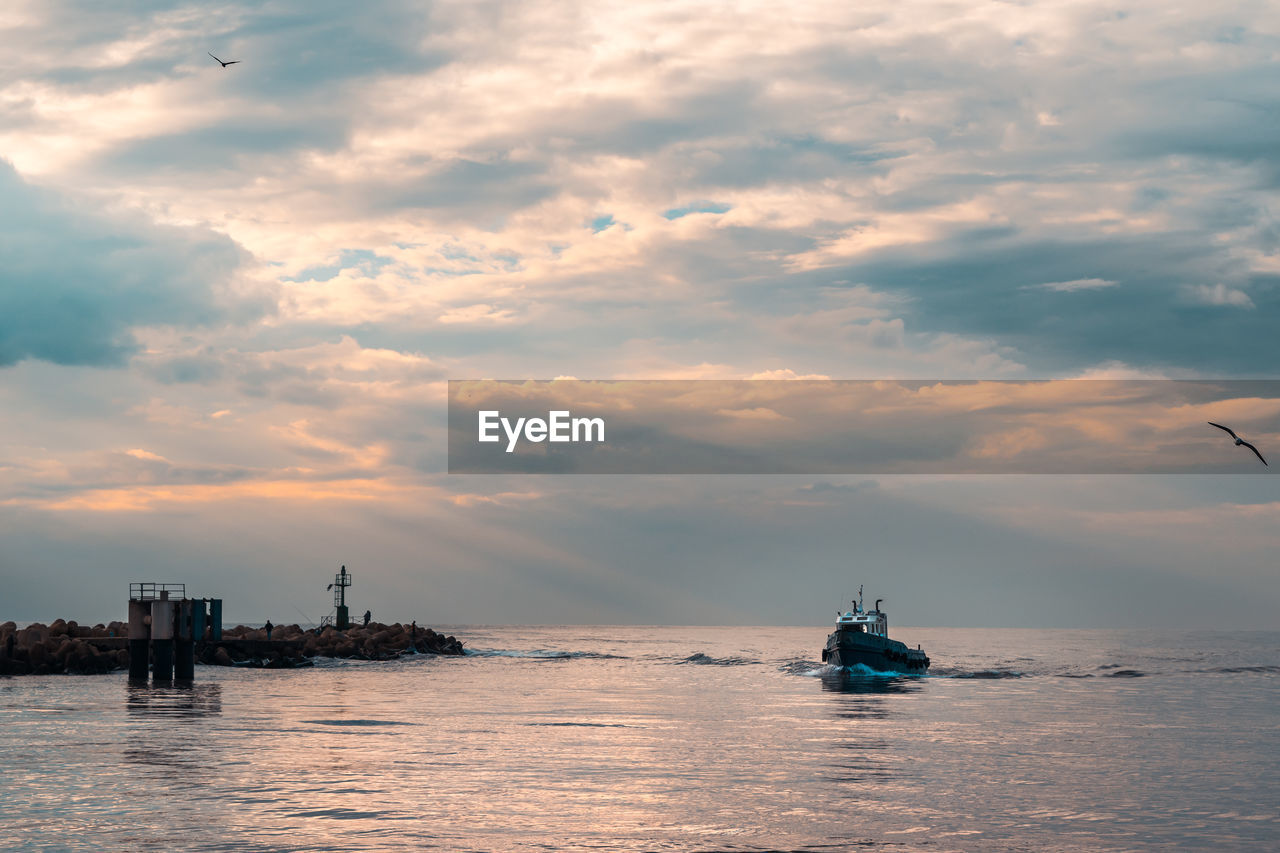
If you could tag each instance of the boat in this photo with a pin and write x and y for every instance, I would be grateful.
(862, 637)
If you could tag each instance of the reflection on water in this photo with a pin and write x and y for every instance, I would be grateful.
(163, 733)
(177, 701)
(843, 681)
(677, 739)
(859, 754)
(858, 761)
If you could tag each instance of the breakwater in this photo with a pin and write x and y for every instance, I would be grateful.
(68, 647)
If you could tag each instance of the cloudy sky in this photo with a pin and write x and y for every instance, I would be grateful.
(230, 298)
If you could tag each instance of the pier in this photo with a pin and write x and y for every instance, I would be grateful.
(164, 628)
(167, 634)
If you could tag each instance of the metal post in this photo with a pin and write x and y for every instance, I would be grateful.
(215, 619)
(139, 639)
(199, 619)
(162, 638)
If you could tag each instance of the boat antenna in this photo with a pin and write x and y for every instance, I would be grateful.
(859, 596)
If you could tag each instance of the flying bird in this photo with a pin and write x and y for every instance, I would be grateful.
(1239, 440)
(225, 64)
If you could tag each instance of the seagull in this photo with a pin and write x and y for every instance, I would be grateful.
(225, 64)
(1239, 440)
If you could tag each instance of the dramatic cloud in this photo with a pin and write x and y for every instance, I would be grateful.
(283, 260)
(523, 166)
(75, 286)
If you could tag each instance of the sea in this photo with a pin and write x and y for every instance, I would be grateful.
(631, 738)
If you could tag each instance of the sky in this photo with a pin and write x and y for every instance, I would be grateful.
(231, 298)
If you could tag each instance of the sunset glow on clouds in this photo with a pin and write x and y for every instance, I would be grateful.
(240, 288)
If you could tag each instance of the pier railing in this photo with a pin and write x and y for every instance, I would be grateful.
(151, 591)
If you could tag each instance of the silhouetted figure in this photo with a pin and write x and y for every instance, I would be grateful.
(367, 617)
(268, 628)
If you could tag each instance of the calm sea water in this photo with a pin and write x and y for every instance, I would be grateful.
(626, 738)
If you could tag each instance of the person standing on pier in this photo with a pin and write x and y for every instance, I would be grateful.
(367, 617)
(268, 628)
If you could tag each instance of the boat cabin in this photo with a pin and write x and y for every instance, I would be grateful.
(858, 620)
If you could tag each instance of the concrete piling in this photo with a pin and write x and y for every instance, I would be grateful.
(184, 641)
(162, 619)
(215, 619)
(165, 628)
(199, 619)
(139, 639)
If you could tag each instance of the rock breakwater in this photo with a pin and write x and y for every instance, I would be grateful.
(67, 647)
(291, 645)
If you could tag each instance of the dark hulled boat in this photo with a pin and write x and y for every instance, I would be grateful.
(862, 637)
